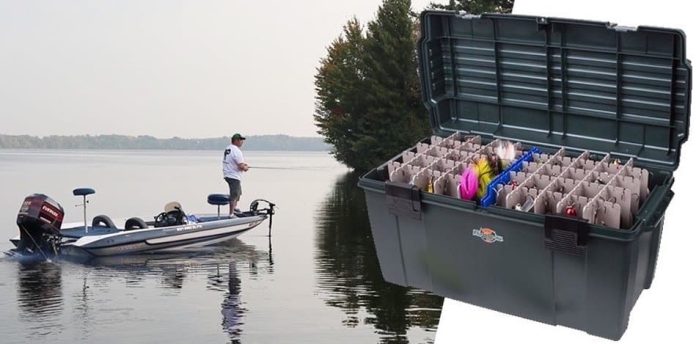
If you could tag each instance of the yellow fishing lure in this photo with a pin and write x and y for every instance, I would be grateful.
(484, 171)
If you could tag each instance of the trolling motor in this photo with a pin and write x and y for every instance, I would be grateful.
(222, 200)
(39, 220)
(254, 208)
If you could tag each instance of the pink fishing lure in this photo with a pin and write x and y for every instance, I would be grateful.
(468, 184)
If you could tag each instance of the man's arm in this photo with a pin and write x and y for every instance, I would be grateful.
(239, 159)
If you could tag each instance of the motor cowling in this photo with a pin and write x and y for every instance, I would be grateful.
(39, 220)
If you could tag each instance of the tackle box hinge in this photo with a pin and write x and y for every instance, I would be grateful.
(566, 235)
(403, 199)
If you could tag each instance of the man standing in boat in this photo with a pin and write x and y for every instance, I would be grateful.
(232, 167)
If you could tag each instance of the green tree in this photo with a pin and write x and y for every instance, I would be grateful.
(397, 117)
(368, 93)
(339, 85)
(477, 6)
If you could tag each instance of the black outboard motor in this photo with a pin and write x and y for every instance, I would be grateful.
(39, 221)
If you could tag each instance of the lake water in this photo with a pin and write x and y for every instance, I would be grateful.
(315, 280)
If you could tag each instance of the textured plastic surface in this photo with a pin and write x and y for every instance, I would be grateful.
(517, 263)
(549, 83)
(578, 84)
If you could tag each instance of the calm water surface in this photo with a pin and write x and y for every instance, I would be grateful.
(316, 280)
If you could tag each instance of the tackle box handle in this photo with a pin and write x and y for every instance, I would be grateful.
(565, 234)
(403, 199)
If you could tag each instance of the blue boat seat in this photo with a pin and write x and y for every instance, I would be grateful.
(218, 199)
(83, 191)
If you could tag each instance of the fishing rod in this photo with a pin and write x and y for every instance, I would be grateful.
(278, 168)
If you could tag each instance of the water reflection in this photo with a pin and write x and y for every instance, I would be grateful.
(90, 283)
(174, 266)
(40, 295)
(232, 310)
(349, 272)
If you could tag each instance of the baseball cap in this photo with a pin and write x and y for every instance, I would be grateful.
(238, 136)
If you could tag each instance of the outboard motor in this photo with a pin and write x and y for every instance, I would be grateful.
(39, 221)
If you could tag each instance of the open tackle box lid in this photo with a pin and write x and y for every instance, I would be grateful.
(584, 85)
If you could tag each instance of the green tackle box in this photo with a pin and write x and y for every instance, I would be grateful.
(598, 114)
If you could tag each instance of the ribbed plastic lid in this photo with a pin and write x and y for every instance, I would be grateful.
(559, 82)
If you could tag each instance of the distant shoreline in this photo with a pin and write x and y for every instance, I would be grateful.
(144, 142)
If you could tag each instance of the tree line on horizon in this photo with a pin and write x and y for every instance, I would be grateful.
(368, 93)
(259, 142)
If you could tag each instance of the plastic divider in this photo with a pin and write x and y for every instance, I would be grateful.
(504, 177)
(550, 167)
(602, 191)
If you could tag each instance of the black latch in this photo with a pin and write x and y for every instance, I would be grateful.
(403, 199)
(566, 234)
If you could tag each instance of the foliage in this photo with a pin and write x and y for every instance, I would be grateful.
(368, 105)
(477, 6)
(339, 86)
(368, 93)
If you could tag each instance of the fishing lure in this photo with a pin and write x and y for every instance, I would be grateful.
(505, 151)
(468, 184)
(485, 176)
(527, 206)
(429, 186)
(570, 211)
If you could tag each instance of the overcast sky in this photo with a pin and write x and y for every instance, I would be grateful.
(166, 68)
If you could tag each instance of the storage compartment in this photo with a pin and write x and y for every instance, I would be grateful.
(565, 226)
